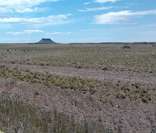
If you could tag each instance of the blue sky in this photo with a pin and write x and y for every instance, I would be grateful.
(77, 20)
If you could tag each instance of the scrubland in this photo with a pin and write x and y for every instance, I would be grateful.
(78, 88)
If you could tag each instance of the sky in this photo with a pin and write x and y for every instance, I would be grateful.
(78, 20)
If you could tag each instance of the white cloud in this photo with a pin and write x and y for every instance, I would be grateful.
(4, 10)
(33, 31)
(115, 17)
(36, 31)
(52, 20)
(89, 9)
(19, 5)
(22, 3)
(106, 1)
(57, 33)
(19, 10)
(87, 3)
(25, 32)
(28, 10)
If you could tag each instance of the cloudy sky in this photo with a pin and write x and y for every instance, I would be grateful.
(77, 20)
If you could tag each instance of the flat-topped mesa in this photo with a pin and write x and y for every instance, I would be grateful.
(46, 41)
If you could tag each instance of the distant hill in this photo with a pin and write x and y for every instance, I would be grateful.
(46, 41)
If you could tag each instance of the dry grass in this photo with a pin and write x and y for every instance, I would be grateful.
(17, 116)
(138, 58)
(106, 91)
(47, 79)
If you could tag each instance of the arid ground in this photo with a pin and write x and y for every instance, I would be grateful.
(78, 88)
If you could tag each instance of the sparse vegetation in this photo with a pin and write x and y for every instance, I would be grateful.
(48, 80)
(17, 116)
(133, 91)
(126, 47)
(35, 100)
(139, 58)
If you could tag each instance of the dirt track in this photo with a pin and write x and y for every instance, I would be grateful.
(101, 75)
